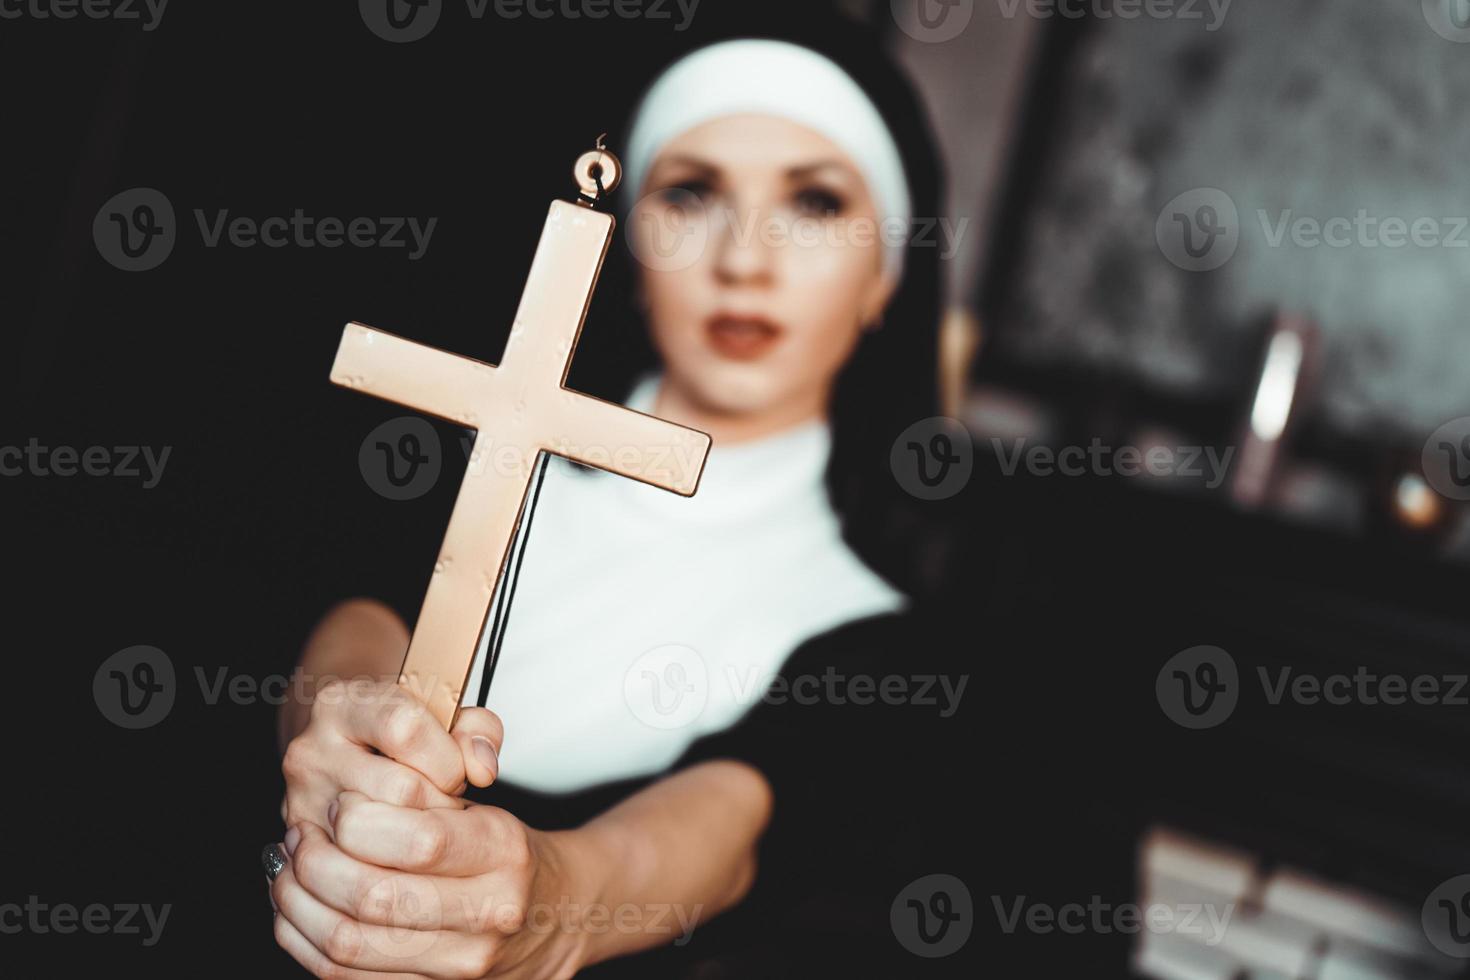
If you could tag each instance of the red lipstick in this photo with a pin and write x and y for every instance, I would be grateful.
(742, 338)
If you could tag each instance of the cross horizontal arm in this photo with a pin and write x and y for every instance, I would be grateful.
(425, 378)
(629, 443)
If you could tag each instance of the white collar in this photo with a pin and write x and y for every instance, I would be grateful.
(786, 470)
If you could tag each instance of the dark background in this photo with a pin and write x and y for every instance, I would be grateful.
(1066, 600)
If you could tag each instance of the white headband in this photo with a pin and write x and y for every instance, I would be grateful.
(780, 79)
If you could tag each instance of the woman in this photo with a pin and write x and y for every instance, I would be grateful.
(638, 752)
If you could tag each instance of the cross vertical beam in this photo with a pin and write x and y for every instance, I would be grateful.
(518, 409)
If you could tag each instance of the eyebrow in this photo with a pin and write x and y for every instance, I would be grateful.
(797, 171)
(689, 161)
(819, 165)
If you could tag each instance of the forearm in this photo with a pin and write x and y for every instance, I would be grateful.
(676, 854)
(355, 638)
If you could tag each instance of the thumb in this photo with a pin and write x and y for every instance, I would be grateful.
(480, 735)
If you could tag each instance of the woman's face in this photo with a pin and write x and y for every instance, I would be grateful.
(761, 265)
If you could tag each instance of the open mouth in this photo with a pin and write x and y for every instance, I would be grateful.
(742, 338)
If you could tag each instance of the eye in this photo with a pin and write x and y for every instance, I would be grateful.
(819, 202)
(680, 193)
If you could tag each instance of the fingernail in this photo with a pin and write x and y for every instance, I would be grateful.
(293, 837)
(485, 752)
(332, 813)
(273, 860)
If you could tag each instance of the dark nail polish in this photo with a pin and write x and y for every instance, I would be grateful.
(273, 860)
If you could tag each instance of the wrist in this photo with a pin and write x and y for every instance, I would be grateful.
(570, 881)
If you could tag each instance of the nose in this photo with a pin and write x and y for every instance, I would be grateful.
(742, 255)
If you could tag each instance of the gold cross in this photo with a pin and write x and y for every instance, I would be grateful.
(520, 408)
